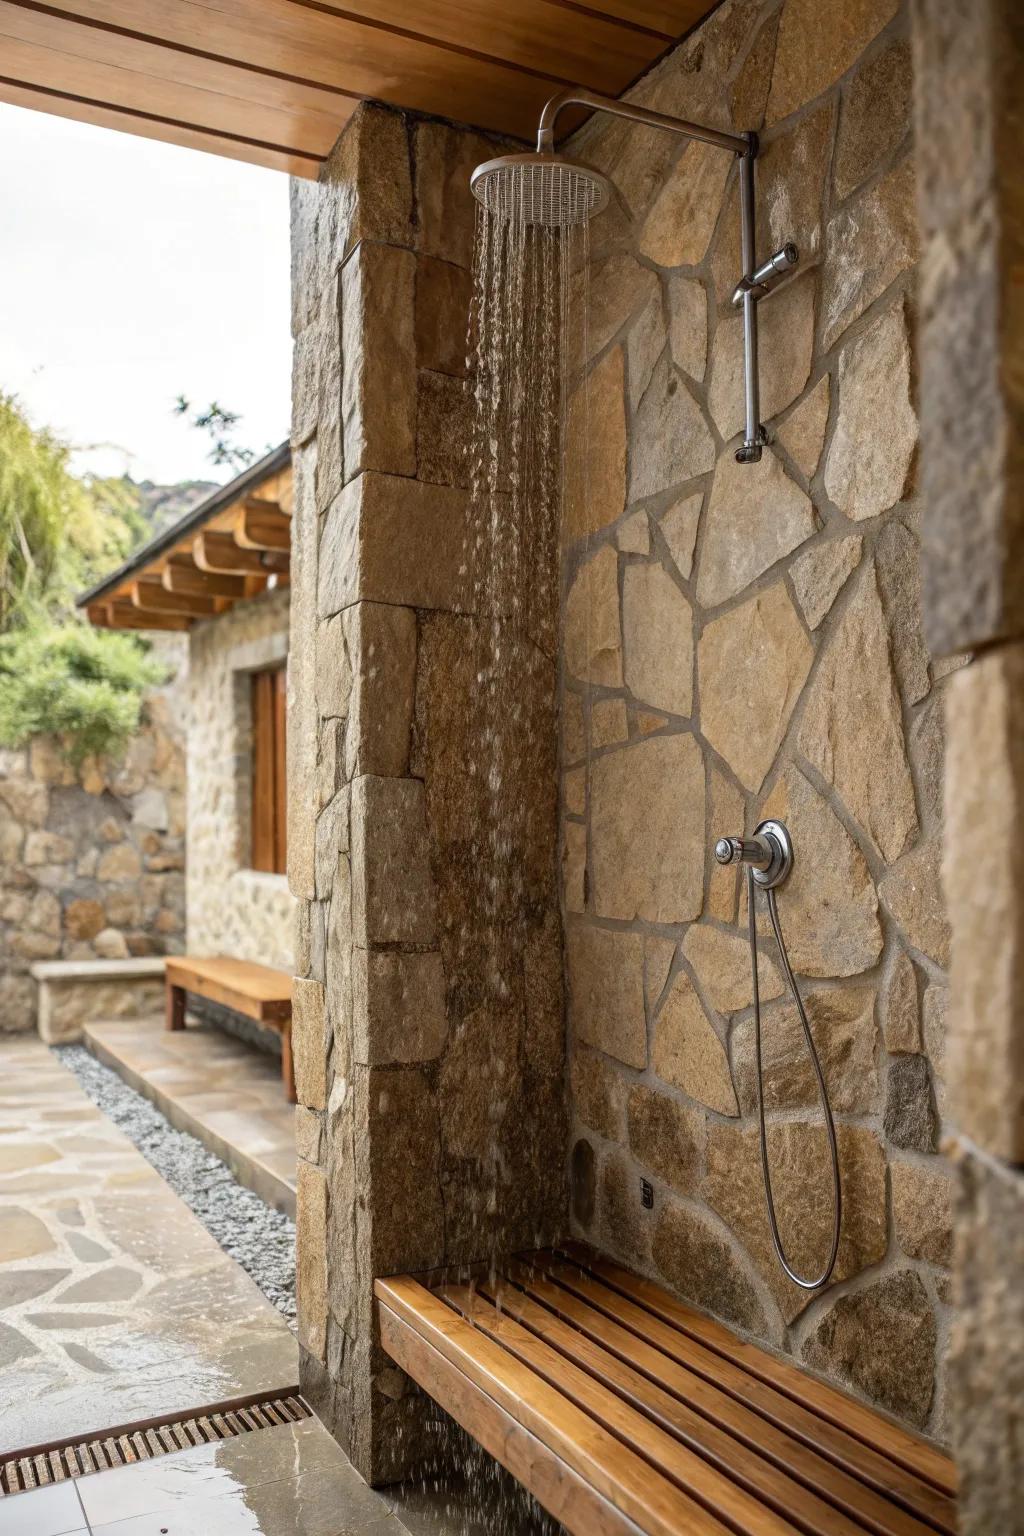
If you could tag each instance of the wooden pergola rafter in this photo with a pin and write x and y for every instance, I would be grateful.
(232, 547)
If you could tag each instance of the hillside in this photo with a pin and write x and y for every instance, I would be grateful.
(162, 505)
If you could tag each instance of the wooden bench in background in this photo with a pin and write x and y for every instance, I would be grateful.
(257, 991)
(624, 1411)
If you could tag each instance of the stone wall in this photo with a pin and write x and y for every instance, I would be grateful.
(92, 859)
(968, 106)
(742, 642)
(232, 908)
(431, 1124)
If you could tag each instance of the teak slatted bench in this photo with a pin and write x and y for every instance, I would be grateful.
(257, 991)
(624, 1411)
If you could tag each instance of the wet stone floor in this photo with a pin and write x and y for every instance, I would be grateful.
(288, 1481)
(258, 1237)
(219, 1089)
(115, 1304)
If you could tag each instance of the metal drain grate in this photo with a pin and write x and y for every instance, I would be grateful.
(77, 1458)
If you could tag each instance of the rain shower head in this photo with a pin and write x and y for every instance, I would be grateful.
(550, 191)
(545, 189)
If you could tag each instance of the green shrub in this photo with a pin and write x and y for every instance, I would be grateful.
(80, 684)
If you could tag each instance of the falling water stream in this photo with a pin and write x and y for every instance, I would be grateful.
(524, 313)
(520, 358)
(519, 365)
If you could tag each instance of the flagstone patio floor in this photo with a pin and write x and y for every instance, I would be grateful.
(222, 1090)
(115, 1304)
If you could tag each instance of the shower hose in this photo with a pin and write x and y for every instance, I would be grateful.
(817, 1281)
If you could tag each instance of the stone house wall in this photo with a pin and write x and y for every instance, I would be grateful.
(431, 1124)
(92, 859)
(232, 908)
(742, 642)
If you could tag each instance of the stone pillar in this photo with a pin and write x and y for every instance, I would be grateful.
(970, 118)
(416, 1100)
(970, 125)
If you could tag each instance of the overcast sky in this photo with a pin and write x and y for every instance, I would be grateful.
(131, 272)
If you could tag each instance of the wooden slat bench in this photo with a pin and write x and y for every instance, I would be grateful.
(624, 1411)
(257, 991)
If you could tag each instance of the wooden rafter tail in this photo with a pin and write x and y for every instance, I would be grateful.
(152, 597)
(187, 579)
(262, 526)
(127, 616)
(218, 552)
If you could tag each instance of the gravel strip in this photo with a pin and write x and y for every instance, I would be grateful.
(256, 1236)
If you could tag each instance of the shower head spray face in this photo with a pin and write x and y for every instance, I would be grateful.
(542, 189)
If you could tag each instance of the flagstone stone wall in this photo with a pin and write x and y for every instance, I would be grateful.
(743, 642)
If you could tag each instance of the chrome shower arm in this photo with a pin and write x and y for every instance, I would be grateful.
(579, 96)
(755, 282)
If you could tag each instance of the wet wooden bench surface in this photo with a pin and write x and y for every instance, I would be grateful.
(623, 1410)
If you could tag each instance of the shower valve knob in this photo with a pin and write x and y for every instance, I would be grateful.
(743, 850)
(769, 852)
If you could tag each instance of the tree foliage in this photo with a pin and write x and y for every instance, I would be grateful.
(58, 533)
(220, 424)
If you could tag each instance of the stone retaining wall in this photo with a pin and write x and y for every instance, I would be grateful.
(92, 859)
(742, 642)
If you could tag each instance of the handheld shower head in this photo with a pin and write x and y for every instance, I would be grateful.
(545, 189)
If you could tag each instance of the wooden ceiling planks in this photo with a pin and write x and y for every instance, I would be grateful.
(165, 130)
(144, 77)
(273, 81)
(566, 47)
(668, 18)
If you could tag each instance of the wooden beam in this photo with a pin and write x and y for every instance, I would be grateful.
(189, 579)
(127, 616)
(216, 551)
(261, 526)
(151, 597)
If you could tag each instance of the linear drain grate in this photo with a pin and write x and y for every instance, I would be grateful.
(119, 1448)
